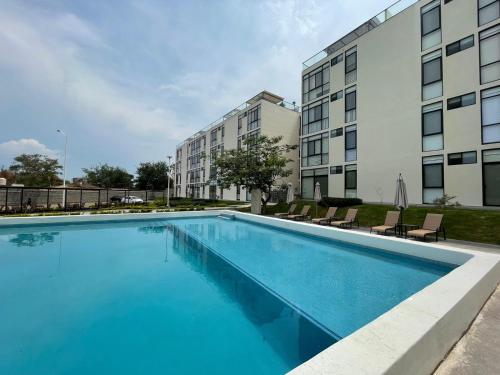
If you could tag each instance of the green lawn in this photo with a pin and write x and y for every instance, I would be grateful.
(460, 223)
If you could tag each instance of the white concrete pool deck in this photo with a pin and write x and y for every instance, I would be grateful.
(411, 338)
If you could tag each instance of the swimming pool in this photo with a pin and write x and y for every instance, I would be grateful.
(186, 295)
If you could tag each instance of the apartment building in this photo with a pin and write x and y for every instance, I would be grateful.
(264, 114)
(415, 90)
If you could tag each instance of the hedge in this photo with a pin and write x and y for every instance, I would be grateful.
(340, 202)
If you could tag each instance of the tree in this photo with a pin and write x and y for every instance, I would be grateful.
(8, 175)
(259, 165)
(107, 176)
(152, 176)
(36, 170)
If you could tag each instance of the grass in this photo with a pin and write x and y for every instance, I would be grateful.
(464, 224)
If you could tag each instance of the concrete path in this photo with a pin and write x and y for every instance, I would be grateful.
(478, 351)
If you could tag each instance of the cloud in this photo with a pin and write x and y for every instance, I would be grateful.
(13, 148)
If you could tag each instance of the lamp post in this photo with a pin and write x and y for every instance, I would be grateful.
(64, 164)
(168, 181)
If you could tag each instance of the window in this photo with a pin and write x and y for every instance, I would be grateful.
(336, 132)
(458, 158)
(462, 101)
(490, 115)
(489, 54)
(316, 83)
(315, 150)
(336, 60)
(213, 137)
(315, 117)
(253, 119)
(491, 177)
(489, 10)
(309, 179)
(430, 19)
(351, 181)
(238, 192)
(351, 66)
(240, 124)
(350, 104)
(351, 143)
(432, 127)
(336, 96)
(336, 169)
(460, 45)
(432, 178)
(432, 75)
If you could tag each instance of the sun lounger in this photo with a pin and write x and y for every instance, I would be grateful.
(330, 215)
(432, 226)
(391, 221)
(304, 214)
(349, 220)
(291, 210)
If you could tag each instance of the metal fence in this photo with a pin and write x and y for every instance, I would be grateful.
(23, 199)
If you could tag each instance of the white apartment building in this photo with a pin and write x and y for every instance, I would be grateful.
(415, 90)
(264, 114)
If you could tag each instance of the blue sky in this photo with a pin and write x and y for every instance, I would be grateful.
(128, 80)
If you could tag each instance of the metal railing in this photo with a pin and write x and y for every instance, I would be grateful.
(15, 199)
(369, 25)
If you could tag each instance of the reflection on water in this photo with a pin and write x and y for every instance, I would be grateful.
(152, 229)
(292, 336)
(33, 239)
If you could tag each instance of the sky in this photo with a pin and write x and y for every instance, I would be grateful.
(127, 80)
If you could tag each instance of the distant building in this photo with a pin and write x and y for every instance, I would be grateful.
(264, 114)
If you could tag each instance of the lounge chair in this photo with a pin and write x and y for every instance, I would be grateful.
(304, 214)
(350, 218)
(330, 215)
(432, 225)
(291, 210)
(391, 221)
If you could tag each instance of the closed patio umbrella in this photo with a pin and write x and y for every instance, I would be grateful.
(289, 193)
(317, 195)
(401, 199)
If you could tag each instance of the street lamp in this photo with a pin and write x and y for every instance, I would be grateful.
(64, 166)
(168, 181)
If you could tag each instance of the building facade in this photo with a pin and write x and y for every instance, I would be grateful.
(416, 91)
(264, 114)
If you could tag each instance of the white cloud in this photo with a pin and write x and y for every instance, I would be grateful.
(47, 52)
(13, 148)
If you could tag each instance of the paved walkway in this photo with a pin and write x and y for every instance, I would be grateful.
(478, 351)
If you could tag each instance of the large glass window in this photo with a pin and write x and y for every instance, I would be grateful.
(213, 137)
(489, 47)
(430, 16)
(351, 66)
(489, 10)
(309, 179)
(316, 83)
(432, 178)
(432, 127)
(253, 119)
(490, 115)
(315, 117)
(351, 143)
(350, 104)
(432, 75)
(351, 181)
(491, 177)
(315, 150)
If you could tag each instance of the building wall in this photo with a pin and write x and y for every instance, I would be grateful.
(389, 107)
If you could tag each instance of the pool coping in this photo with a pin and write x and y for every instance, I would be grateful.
(412, 337)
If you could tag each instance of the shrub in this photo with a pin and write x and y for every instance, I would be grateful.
(340, 202)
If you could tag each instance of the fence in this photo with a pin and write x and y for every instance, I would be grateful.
(21, 199)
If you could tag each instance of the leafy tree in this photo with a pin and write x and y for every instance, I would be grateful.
(36, 170)
(107, 176)
(152, 176)
(8, 175)
(258, 165)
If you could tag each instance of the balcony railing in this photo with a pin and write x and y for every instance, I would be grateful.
(359, 31)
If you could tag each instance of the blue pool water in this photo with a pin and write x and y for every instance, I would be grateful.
(186, 296)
